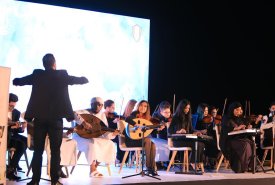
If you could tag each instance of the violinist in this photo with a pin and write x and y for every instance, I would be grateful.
(238, 148)
(162, 115)
(269, 119)
(205, 125)
(113, 118)
(111, 115)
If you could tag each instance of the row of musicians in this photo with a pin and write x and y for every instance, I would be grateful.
(237, 149)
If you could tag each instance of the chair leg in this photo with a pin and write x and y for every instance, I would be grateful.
(171, 160)
(271, 158)
(264, 156)
(133, 157)
(123, 161)
(109, 169)
(220, 162)
(185, 164)
(67, 171)
(137, 156)
(29, 169)
(78, 155)
(26, 158)
(202, 167)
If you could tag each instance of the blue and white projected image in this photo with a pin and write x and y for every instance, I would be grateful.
(112, 51)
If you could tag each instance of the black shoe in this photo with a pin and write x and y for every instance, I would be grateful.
(18, 168)
(56, 183)
(152, 173)
(12, 177)
(63, 175)
(33, 183)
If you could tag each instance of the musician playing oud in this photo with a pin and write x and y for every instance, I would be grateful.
(100, 149)
(143, 111)
(237, 148)
(182, 124)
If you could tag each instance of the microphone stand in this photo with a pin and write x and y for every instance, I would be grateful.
(142, 173)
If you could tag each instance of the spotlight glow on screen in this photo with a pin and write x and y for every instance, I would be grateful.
(112, 51)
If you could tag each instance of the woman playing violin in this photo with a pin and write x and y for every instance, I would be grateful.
(112, 119)
(205, 125)
(162, 115)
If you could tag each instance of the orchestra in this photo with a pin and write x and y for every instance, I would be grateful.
(160, 127)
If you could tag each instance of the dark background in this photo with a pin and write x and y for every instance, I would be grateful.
(205, 51)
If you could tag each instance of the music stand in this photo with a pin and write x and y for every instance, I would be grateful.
(142, 173)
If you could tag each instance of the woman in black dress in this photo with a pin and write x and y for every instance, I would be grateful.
(236, 148)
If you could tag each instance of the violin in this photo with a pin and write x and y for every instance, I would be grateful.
(156, 120)
(207, 119)
(113, 115)
(211, 119)
(218, 119)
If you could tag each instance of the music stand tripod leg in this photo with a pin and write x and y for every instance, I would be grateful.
(142, 173)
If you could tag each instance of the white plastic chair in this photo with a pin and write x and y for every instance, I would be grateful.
(121, 127)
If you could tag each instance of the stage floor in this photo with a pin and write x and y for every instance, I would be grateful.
(80, 176)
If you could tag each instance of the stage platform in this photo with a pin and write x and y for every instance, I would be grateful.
(80, 176)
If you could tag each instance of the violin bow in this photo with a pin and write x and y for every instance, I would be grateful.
(156, 108)
(224, 106)
(121, 107)
(248, 107)
(174, 99)
(245, 109)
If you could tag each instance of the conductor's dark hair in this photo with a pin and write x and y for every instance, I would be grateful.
(48, 61)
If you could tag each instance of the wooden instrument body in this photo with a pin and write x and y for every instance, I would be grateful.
(135, 132)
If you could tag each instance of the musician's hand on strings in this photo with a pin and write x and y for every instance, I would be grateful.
(116, 132)
(181, 131)
(24, 125)
(161, 127)
(116, 120)
(203, 132)
(17, 125)
(197, 133)
(249, 126)
(241, 127)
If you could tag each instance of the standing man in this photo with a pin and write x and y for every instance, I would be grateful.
(48, 104)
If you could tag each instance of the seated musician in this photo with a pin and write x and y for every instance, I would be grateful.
(236, 148)
(113, 118)
(205, 125)
(15, 140)
(162, 115)
(143, 111)
(268, 119)
(100, 149)
(182, 124)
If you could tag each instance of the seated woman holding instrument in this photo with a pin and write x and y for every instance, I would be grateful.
(143, 111)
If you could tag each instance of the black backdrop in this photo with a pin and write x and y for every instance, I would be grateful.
(205, 51)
